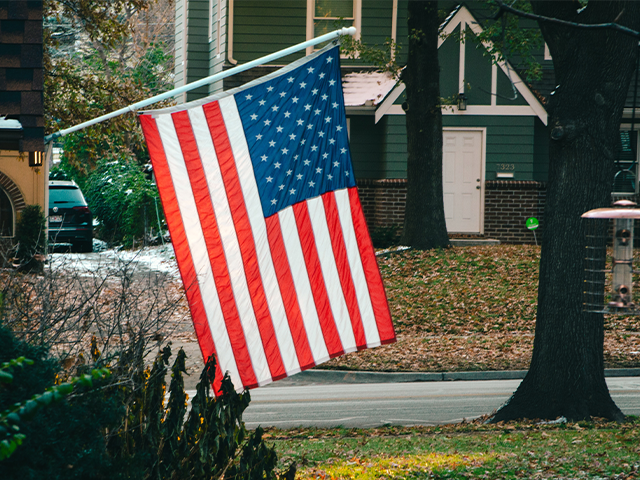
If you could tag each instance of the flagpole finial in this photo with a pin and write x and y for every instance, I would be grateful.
(348, 31)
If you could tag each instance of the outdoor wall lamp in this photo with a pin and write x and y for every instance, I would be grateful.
(36, 159)
(462, 101)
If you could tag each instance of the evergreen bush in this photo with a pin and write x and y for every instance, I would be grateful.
(126, 430)
(30, 239)
(123, 199)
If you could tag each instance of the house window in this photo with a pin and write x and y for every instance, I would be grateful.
(329, 15)
(324, 16)
(6, 215)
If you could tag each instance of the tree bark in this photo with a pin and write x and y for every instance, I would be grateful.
(593, 72)
(424, 222)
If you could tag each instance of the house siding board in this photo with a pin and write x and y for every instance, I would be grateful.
(449, 59)
(477, 73)
(262, 27)
(509, 140)
(366, 146)
(376, 21)
(402, 32)
(395, 146)
(505, 91)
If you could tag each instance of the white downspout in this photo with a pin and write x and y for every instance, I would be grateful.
(232, 60)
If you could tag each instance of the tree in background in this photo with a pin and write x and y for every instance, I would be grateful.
(593, 70)
(100, 57)
(424, 222)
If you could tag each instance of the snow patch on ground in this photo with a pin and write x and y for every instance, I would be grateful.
(148, 259)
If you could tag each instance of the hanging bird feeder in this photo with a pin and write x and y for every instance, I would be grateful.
(611, 226)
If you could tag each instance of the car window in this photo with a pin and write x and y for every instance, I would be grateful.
(65, 195)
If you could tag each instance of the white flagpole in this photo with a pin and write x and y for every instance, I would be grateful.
(205, 81)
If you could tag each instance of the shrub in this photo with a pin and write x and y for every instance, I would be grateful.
(384, 237)
(30, 239)
(123, 199)
(212, 442)
(63, 441)
(125, 429)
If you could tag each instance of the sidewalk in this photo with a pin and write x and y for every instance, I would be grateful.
(332, 377)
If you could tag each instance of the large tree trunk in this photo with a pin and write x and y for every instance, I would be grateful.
(593, 71)
(424, 223)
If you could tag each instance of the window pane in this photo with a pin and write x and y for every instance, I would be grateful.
(334, 8)
(65, 195)
(325, 26)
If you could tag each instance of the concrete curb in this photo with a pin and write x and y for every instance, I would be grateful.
(329, 377)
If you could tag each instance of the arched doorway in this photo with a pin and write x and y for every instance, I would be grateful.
(6, 215)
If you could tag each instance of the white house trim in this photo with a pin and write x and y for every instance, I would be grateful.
(462, 57)
(464, 18)
(498, 110)
(387, 104)
(494, 85)
(394, 25)
(311, 11)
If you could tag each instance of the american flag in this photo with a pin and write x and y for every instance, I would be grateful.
(271, 242)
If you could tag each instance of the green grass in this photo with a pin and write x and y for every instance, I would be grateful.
(585, 450)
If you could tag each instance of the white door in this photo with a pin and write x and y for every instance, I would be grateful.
(462, 179)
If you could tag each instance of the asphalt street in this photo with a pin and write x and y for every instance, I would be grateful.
(366, 404)
(413, 403)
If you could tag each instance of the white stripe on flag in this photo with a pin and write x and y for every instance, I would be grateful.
(242, 158)
(302, 285)
(330, 274)
(197, 247)
(357, 272)
(229, 244)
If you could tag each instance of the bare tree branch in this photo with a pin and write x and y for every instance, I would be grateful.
(586, 26)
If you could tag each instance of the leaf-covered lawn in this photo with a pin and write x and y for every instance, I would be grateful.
(471, 308)
(585, 450)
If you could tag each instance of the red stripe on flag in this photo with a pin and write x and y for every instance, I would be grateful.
(245, 238)
(217, 258)
(344, 270)
(320, 296)
(372, 272)
(289, 296)
(179, 241)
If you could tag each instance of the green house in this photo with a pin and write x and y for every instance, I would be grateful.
(495, 154)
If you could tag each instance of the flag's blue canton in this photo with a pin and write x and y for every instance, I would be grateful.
(296, 129)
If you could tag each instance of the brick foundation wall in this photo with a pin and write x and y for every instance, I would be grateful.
(383, 202)
(507, 206)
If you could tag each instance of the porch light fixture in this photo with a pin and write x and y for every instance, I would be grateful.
(36, 159)
(462, 102)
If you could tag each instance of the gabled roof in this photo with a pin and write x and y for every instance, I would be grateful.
(366, 89)
(463, 18)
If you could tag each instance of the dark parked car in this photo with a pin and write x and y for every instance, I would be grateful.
(70, 220)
